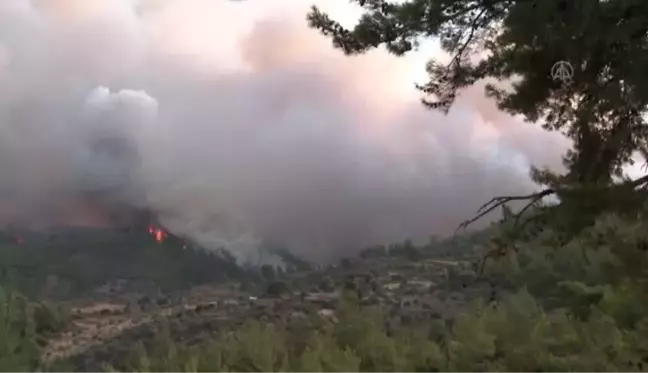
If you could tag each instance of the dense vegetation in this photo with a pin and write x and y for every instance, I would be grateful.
(65, 268)
(573, 309)
(464, 246)
(24, 327)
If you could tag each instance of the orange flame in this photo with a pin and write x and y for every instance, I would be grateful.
(159, 234)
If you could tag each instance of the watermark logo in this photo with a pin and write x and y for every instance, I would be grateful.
(562, 71)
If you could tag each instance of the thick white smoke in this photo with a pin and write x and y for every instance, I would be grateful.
(248, 125)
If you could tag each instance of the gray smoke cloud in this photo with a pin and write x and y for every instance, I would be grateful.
(247, 126)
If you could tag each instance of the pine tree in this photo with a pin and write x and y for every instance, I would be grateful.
(18, 350)
(605, 42)
(601, 109)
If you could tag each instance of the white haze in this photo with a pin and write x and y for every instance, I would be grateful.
(250, 126)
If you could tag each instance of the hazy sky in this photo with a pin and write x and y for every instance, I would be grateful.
(249, 125)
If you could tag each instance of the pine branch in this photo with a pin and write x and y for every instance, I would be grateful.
(462, 48)
(535, 197)
(499, 201)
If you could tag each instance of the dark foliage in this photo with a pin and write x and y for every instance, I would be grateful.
(80, 266)
(605, 41)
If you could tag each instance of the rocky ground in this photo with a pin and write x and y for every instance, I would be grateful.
(410, 291)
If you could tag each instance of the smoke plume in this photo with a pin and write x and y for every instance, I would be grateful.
(243, 126)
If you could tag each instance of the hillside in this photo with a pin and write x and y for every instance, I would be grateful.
(72, 263)
(395, 308)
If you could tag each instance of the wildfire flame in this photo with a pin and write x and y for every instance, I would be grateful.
(159, 234)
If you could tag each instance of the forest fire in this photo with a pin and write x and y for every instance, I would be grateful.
(158, 233)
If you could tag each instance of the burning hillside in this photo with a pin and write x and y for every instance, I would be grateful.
(88, 221)
(87, 235)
